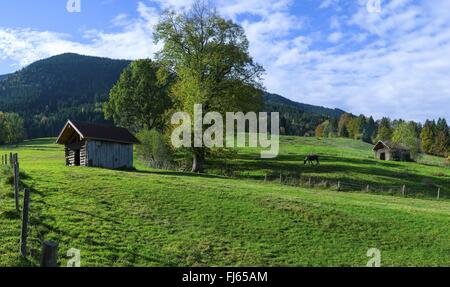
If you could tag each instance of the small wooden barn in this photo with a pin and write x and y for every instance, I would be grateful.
(95, 145)
(387, 150)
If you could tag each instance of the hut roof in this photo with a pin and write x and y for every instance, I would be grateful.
(390, 145)
(90, 131)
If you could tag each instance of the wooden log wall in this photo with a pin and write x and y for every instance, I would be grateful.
(70, 158)
(83, 155)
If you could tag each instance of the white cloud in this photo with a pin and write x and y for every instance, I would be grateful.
(173, 4)
(399, 67)
(335, 23)
(232, 8)
(335, 37)
(133, 40)
(328, 3)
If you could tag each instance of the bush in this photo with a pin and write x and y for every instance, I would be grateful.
(153, 150)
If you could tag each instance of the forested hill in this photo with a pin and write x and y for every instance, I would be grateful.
(297, 118)
(273, 99)
(3, 77)
(50, 91)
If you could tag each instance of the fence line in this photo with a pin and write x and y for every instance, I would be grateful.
(24, 229)
(340, 185)
(49, 249)
(15, 164)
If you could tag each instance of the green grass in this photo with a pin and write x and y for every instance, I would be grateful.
(158, 218)
(349, 161)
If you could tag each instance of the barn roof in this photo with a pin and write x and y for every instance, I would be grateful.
(390, 145)
(90, 131)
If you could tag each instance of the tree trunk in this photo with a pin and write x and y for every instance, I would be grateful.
(198, 160)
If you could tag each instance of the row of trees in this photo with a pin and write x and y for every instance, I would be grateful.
(350, 127)
(204, 60)
(431, 138)
(435, 137)
(11, 128)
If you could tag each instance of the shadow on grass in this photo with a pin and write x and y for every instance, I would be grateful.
(11, 215)
(42, 224)
(391, 174)
(37, 142)
(177, 173)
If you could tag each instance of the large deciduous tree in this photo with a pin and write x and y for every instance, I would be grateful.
(384, 129)
(11, 128)
(405, 134)
(356, 127)
(140, 97)
(210, 58)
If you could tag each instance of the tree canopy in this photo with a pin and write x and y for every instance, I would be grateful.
(213, 67)
(140, 97)
(11, 128)
(405, 134)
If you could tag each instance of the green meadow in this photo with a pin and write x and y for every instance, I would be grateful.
(348, 161)
(231, 216)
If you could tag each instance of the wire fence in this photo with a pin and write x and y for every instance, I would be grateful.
(10, 168)
(428, 190)
(345, 185)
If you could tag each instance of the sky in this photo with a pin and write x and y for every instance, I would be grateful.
(393, 61)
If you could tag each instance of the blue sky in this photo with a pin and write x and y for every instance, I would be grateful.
(335, 53)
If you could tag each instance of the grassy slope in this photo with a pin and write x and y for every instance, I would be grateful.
(345, 160)
(155, 218)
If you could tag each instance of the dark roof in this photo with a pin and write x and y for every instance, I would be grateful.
(99, 132)
(390, 145)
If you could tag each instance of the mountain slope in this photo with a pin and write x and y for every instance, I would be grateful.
(4, 77)
(50, 91)
(274, 99)
(296, 118)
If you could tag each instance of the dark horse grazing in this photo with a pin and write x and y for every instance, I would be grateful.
(312, 158)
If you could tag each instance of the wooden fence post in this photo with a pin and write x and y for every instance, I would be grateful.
(11, 159)
(16, 184)
(339, 185)
(24, 232)
(368, 188)
(439, 193)
(309, 182)
(17, 160)
(281, 178)
(404, 190)
(265, 178)
(49, 256)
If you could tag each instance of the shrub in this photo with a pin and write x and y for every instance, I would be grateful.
(153, 150)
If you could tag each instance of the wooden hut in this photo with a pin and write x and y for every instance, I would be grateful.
(386, 150)
(95, 145)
